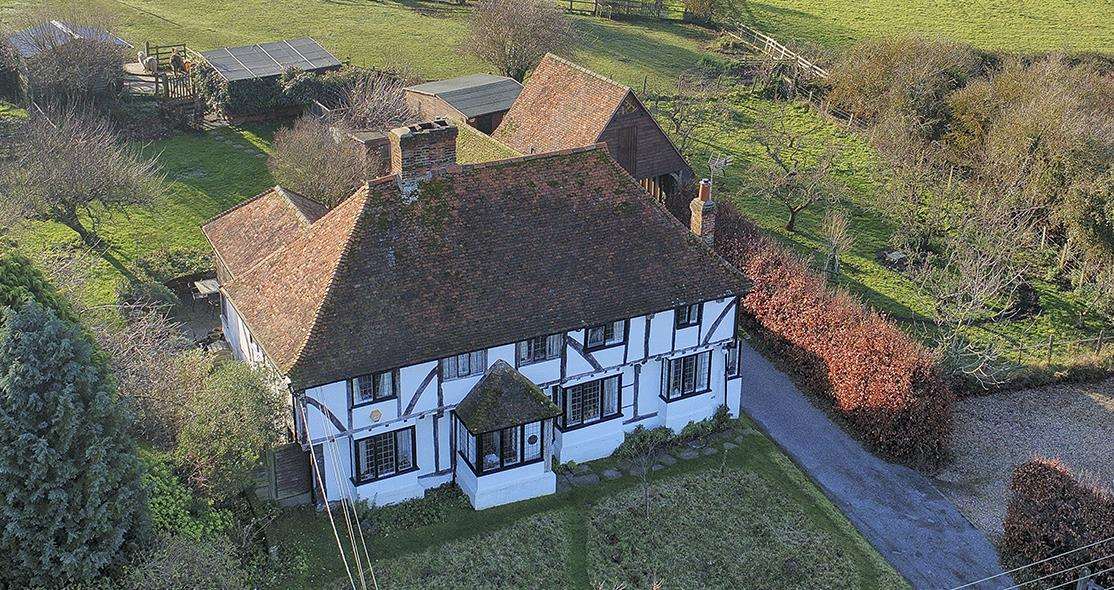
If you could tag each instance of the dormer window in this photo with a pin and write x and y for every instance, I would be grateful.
(687, 316)
(464, 365)
(540, 348)
(607, 335)
(375, 387)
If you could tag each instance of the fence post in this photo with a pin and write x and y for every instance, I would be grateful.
(1019, 350)
(850, 120)
(1098, 342)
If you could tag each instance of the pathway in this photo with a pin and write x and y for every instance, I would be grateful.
(918, 530)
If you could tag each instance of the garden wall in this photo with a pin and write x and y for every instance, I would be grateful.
(882, 381)
(1051, 512)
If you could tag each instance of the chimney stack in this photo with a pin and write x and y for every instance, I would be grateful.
(702, 222)
(421, 151)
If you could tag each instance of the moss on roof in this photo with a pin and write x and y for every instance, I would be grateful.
(474, 147)
(503, 397)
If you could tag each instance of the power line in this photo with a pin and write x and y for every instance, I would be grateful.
(1088, 576)
(1063, 571)
(328, 511)
(969, 584)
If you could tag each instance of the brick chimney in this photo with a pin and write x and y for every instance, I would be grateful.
(702, 222)
(421, 151)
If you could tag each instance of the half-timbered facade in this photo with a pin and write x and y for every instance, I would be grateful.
(475, 323)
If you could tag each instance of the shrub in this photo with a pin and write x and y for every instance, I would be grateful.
(21, 282)
(175, 511)
(310, 161)
(438, 505)
(879, 378)
(293, 88)
(73, 502)
(166, 264)
(1051, 512)
(643, 438)
(184, 563)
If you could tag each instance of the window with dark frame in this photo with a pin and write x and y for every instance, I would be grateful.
(687, 316)
(501, 449)
(686, 376)
(731, 368)
(375, 387)
(540, 348)
(464, 365)
(385, 455)
(589, 403)
(609, 334)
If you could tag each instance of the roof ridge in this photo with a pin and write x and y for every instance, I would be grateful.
(365, 191)
(237, 206)
(586, 70)
(530, 157)
(286, 193)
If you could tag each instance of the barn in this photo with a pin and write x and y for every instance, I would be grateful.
(480, 100)
(565, 106)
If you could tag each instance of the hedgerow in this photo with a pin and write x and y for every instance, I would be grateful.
(880, 379)
(1051, 512)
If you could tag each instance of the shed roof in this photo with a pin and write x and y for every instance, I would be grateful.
(30, 42)
(474, 95)
(270, 59)
(502, 398)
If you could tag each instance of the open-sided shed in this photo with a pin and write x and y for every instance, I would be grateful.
(479, 100)
(265, 60)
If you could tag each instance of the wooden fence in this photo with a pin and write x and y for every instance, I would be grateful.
(766, 46)
(650, 9)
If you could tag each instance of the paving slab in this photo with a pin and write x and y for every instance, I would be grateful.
(612, 474)
(914, 526)
(688, 454)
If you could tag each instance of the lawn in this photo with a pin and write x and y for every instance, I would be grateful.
(858, 167)
(743, 518)
(1018, 25)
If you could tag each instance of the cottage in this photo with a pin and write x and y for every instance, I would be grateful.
(564, 105)
(475, 323)
(480, 100)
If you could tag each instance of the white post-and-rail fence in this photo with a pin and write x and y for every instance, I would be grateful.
(767, 46)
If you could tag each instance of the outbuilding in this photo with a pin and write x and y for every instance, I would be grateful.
(480, 100)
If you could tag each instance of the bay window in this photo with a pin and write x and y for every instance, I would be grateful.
(685, 376)
(383, 455)
(493, 451)
(732, 363)
(590, 402)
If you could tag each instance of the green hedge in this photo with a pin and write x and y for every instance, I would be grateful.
(259, 96)
(21, 282)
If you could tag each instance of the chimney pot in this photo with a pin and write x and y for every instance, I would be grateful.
(702, 221)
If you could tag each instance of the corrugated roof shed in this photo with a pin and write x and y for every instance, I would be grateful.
(474, 95)
(29, 42)
(270, 59)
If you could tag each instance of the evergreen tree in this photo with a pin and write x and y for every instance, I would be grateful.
(69, 476)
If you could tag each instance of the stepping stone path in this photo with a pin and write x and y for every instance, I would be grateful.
(612, 474)
(708, 451)
(666, 459)
(587, 479)
(730, 445)
(688, 454)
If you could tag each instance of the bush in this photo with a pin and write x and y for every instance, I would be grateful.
(643, 438)
(438, 505)
(256, 96)
(175, 511)
(21, 282)
(1051, 512)
(879, 378)
(185, 563)
(166, 264)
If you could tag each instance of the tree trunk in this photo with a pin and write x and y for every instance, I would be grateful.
(792, 223)
(87, 236)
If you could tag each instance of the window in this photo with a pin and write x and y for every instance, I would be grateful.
(591, 402)
(502, 449)
(685, 376)
(375, 387)
(464, 365)
(606, 335)
(732, 364)
(384, 455)
(541, 348)
(687, 315)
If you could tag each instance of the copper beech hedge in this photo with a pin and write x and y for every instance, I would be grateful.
(884, 383)
(1052, 512)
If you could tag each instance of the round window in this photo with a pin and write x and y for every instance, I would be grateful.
(533, 439)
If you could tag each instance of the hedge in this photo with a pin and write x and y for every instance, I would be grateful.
(21, 282)
(1051, 512)
(257, 96)
(880, 379)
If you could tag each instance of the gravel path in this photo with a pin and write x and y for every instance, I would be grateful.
(996, 432)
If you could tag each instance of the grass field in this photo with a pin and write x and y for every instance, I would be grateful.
(586, 536)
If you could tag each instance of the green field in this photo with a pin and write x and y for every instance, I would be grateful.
(1013, 25)
(743, 516)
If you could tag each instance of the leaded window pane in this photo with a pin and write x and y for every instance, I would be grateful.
(405, 449)
(385, 454)
(611, 396)
(489, 448)
(553, 346)
(511, 441)
(533, 441)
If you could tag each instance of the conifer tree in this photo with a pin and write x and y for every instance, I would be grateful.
(71, 502)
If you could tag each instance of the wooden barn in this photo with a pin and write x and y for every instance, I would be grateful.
(480, 100)
(564, 105)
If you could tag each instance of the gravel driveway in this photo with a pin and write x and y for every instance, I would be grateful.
(996, 432)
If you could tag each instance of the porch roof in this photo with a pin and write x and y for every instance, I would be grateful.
(502, 398)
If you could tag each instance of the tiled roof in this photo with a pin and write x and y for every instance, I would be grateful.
(487, 254)
(502, 398)
(244, 234)
(561, 106)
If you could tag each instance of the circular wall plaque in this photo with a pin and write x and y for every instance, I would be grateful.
(376, 415)
(533, 439)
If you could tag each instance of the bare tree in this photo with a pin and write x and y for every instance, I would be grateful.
(377, 101)
(70, 168)
(513, 35)
(837, 239)
(64, 70)
(693, 107)
(798, 177)
(317, 161)
(641, 448)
